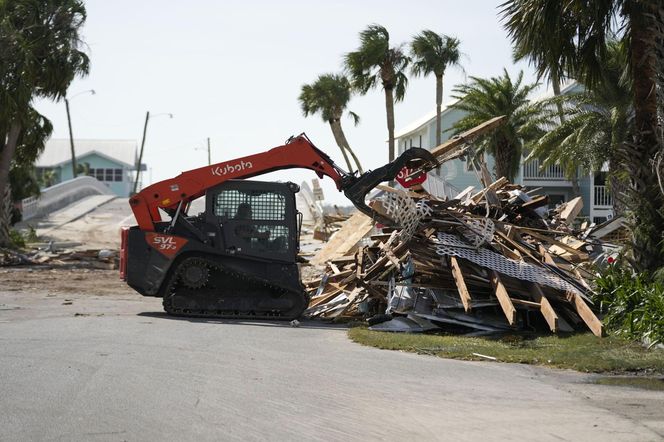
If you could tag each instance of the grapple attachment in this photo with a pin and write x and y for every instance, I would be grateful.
(358, 187)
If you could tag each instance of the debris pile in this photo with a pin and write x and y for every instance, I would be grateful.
(50, 256)
(483, 262)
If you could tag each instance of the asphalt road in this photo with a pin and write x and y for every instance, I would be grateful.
(113, 367)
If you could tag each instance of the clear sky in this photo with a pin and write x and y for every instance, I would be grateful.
(232, 71)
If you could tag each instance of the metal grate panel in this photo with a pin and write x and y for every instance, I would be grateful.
(406, 213)
(250, 205)
(450, 245)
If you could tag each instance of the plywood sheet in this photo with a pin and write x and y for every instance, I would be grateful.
(345, 239)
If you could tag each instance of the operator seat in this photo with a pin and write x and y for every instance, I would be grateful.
(243, 212)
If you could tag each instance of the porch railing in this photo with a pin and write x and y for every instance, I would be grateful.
(602, 197)
(531, 171)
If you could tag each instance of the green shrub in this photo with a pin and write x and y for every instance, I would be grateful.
(31, 235)
(16, 238)
(633, 303)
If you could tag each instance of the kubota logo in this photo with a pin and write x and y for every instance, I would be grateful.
(231, 168)
(167, 245)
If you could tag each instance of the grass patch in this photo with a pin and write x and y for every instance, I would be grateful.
(656, 384)
(581, 352)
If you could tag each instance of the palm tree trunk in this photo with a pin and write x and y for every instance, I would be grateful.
(6, 156)
(555, 84)
(389, 107)
(439, 107)
(503, 156)
(335, 125)
(342, 135)
(6, 206)
(645, 199)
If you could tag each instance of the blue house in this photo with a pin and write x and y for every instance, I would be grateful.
(111, 162)
(458, 174)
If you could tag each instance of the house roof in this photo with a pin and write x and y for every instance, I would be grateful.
(58, 151)
(422, 121)
(567, 87)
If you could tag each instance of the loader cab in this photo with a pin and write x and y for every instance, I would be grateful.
(255, 219)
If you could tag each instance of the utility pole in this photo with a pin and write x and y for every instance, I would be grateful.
(71, 133)
(140, 155)
(209, 157)
(71, 141)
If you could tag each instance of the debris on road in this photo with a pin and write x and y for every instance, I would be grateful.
(466, 263)
(489, 261)
(50, 255)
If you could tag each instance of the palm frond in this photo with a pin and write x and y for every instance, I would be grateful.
(355, 117)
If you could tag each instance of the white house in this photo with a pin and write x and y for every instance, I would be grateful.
(111, 162)
(598, 204)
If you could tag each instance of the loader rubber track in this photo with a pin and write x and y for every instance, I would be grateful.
(211, 300)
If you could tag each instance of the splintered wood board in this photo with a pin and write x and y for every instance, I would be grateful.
(503, 297)
(461, 284)
(462, 138)
(571, 210)
(594, 324)
(345, 239)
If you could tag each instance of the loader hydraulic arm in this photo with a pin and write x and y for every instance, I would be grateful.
(298, 152)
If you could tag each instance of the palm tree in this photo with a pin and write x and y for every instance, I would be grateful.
(587, 27)
(329, 95)
(597, 123)
(483, 99)
(433, 54)
(40, 57)
(376, 62)
(545, 51)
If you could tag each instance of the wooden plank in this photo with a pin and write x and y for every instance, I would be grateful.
(509, 253)
(490, 192)
(503, 298)
(461, 139)
(520, 247)
(460, 284)
(573, 242)
(491, 187)
(582, 280)
(334, 268)
(538, 201)
(594, 324)
(399, 191)
(394, 263)
(393, 259)
(325, 297)
(372, 271)
(464, 193)
(390, 240)
(582, 255)
(546, 308)
(485, 176)
(343, 260)
(359, 263)
(351, 299)
(571, 210)
(526, 303)
(343, 274)
(345, 239)
(545, 256)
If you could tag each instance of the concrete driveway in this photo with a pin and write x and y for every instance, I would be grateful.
(113, 367)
